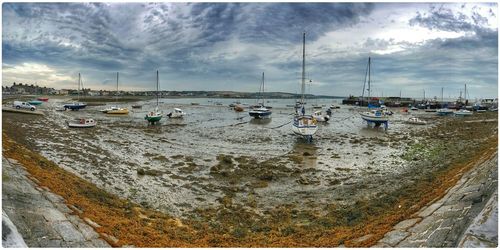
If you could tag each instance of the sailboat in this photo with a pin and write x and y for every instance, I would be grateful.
(444, 110)
(304, 125)
(464, 110)
(376, 116)
(115, 110)
(156, 115)
(76, 105)
(260, 111)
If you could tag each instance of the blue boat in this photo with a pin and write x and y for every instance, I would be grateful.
(35, 102)
(444, 112)
(75, 106)
(260, 111)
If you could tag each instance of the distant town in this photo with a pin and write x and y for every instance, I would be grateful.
(33, 89)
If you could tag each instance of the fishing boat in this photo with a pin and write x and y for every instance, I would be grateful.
(374, 116)
(260, 111)
(75, 106)
(35, 102)
(444, 112)
(156, 115)
(178, 113)
(115, 110)
(43, 99)
(82, 123)
(416, 121)
(463, 112)
(320, 117)
(304, 125)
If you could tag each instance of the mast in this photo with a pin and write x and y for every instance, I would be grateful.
(157, 88)
(78, 92)
(442, 95)
(465, 92)
(303, 67)
(262, 94)
(116, 96)
(369, 79)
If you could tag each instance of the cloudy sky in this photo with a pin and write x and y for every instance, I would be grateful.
(227, 46)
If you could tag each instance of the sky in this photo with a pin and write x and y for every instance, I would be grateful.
(414, 47)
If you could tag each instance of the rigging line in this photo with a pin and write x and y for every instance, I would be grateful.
(281, 125)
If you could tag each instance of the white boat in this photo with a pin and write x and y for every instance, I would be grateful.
(376, 116)
(178, 113)
(156, 115)
(304, 125)
(320, 117)
(463, 112)
(413, 108)
(260, 111)
(416, 121)
(82, 123)
(444, 112)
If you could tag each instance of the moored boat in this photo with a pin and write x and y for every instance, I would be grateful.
(463, 112)
(260, 111)
(156, 115)
(416, 121)
(178, 113)
(75, 106)
(444, 112)
(35, 102)
(43, 99)
(304, 125)
(320, 117)
(82, 123)
(115, 110)
(376, 116)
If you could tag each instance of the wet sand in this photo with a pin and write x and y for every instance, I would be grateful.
(217, 158)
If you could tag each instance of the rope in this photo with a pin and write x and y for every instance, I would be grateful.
(281, 125)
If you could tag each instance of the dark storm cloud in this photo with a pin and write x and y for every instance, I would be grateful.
(228, 45)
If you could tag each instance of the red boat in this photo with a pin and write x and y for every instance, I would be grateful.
(43, 99)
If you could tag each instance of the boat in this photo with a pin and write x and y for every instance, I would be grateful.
(43, 99)
(176, 114)
(35, 102)
(195, 103)
(413, 108)
(156, 115)
(136, 106)
(444, 112)
(463, 112)
(260, 111)
(82, 123)
(218, 103)
(75, 106)
(304, 125)
(115, 110)
(334, 107)
(318, 115)
(233, 104)
(416, 121)
(377, 116)
(238, 108)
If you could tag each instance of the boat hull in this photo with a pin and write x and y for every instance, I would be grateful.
(37, 102)
(374, 118)
(154, 118)
(304, 126)
(75, 106)
(117, 112)
(257, 114)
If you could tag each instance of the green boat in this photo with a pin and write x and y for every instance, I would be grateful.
(35, 102)
(156, 115)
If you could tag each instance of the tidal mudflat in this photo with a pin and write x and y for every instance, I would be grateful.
(244, 177)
